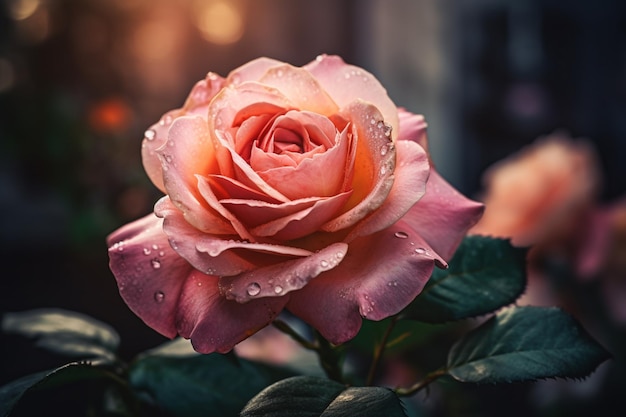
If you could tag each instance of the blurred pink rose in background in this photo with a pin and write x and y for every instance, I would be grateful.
(546, 197)
(535, 196)
(298, 188)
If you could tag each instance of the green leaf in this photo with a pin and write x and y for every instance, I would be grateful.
(64, 332)
(484, 275)
(13, 392)
(305, 396)
(189, 384)
(525, 344)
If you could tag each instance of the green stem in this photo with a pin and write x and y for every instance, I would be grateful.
(330, 359)
(285, 328)
(378, 352)
(405, 392)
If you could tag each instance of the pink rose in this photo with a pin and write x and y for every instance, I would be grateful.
(303, 189)
(540, 195)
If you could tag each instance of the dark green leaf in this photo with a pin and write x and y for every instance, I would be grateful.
(64, 332)
(189, 384)
(306, 396)
(12, 393)
(525, 344)
(484, 275)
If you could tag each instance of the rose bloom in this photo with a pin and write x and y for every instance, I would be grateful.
(539, 195)
(298, 188)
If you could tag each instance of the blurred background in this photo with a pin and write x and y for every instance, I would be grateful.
(81, 80)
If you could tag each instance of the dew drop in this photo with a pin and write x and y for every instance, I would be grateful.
(278, 289)
(156, 264)
(387, 129)
(146, 251)
(346, 75)
(401, 235)
(420, 250)
(159, 296)
(161, 253)
(280, 73)
(253, 289)
(383, 150)
(373, 121)
(392, 283)
(339, 255)
(155, 246)
(383, 170)
(149, 134)
(324, 263)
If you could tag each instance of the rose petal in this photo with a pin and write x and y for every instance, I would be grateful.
(443, 215)
(229, 188)
(380, 275)
(215, 324)
(197, 103)
(328, 169)
(183, 238)
(301, 88)
(257, 212)
(412, 171)
(149, 274)
(279, 279)
(187, 153)
(347, 83)
(374, 164)
(413, 127)
(303, 223)
(252, 71)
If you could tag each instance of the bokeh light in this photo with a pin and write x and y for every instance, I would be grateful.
(220, 22)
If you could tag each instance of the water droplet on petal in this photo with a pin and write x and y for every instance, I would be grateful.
(401, 235)
(156, 264)
(278, 289)
(159, 296)
(155, 246)
(161, 253)
(339, 255)
(146, 251)
(383, 150)
(324, 263)
(149, 134)
(420, 250)
(253, 289)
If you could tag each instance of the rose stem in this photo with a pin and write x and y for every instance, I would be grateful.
(285, 328)
(405, 392)
(379, 350)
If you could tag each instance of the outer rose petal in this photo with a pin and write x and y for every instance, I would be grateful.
(413, 127)
(282, 278)
(187, 153)
(346, 83)
(156, 135)
(301, 87)
(252, 70)
(381, 274)
(213, 254)
(149, 274)
(215, 324)
(443, 208)
(373, 166)
(411, 174)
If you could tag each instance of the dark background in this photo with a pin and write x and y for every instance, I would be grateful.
(81, 80)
